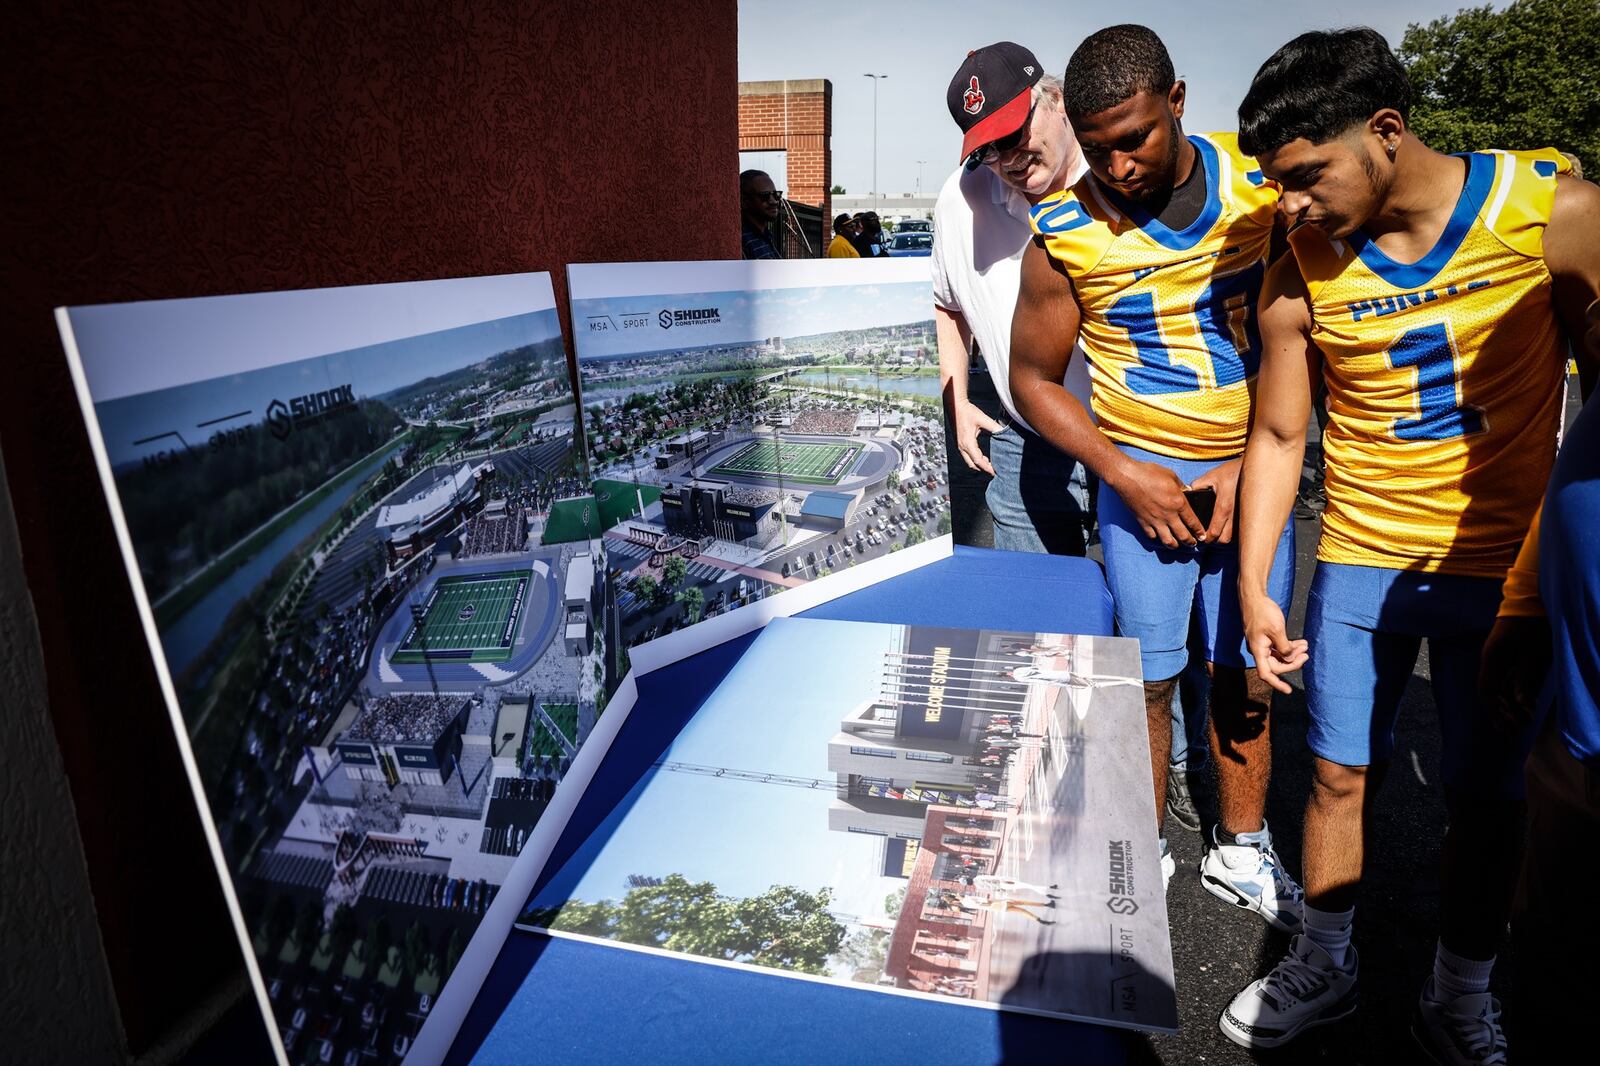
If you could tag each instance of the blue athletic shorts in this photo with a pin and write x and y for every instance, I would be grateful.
(1154, 589)
(1365, 625)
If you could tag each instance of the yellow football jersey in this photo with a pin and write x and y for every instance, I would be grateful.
(1444, 378)
(1169, 320)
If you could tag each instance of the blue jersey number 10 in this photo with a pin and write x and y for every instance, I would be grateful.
(1226, 316)
(1440, 416)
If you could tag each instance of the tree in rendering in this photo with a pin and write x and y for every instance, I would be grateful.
(785, 928)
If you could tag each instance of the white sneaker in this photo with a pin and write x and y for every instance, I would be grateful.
(1304, 990)
(1249, 875)
(1169, 865)
(1459, 1032)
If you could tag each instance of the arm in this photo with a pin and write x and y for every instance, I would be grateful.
(1572, 254)
(1290, 366)
(1042, 334)
(955, 339)
(1516, 654)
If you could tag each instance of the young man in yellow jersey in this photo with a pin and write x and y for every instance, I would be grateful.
(1152, 261)
(1431, 293)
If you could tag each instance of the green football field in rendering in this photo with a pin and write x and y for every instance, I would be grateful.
(468, 619)
(783, 460)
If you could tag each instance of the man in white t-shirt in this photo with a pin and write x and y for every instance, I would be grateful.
(1017, 149)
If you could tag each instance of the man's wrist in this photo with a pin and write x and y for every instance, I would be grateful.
(1252, 590)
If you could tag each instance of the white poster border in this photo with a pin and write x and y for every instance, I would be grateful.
(169, 691)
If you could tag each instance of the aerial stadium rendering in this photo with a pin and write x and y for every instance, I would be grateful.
(471, 618)
(790, 460)
(746, 440)
(379, 633)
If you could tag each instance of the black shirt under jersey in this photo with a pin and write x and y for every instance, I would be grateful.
(1186, 201)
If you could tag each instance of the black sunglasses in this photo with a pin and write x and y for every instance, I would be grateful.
(992, 151)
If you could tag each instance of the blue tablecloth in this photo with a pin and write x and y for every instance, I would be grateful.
(560, 1001)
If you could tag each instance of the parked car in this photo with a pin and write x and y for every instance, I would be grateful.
(914, 225)
(906, 245)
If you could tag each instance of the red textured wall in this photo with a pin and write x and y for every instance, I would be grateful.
(169, 148)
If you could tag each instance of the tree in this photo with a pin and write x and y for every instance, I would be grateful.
(1523, 77)
(308, 928)
(915, 535)
(341, 931)
(280, 920)
(784, 928)
(913, 496)
(894, 479)
(836, 190)
(647, 589)
(694, 604)
(674, 570)
(944, 525)
(452, 954)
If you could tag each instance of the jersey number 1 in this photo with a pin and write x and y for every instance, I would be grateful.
(1226, 316)
(1440, 415)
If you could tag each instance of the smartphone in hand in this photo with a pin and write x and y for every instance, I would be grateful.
(1202, 502)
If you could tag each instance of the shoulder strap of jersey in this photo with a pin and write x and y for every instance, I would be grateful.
(1243, 186)
(1075, 225)
(1518, 206)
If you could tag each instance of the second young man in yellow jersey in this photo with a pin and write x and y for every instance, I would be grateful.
(1434, 295)
(1152, 261)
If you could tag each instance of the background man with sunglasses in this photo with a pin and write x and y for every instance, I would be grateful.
(1016, 149)
(759, 205)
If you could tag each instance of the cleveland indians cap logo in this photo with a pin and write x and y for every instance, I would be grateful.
(972, 99)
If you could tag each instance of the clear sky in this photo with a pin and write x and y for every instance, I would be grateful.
(371, 371)
(754, 314)
(775, 713)
(1216, 48)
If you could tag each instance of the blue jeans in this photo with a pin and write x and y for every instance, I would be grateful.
(1039, 495)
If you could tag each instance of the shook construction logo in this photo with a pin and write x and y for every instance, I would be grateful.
(1119, 878)
(697, 316)
(301, 411)
(279, 420)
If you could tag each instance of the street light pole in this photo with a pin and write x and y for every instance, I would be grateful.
(875, 79)
(920, 163)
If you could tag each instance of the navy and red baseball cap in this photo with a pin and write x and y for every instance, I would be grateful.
(989, 96)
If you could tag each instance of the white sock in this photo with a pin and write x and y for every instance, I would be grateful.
(1330, 931)
(1454, 977)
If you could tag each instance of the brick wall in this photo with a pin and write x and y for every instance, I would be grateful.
(795, 117)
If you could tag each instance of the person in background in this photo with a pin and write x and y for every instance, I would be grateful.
(869, 239)
(1548, 628)
(1016, 149)
(844, 227)
(759, 204)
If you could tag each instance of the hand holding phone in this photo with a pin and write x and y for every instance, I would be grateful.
(1202, 501)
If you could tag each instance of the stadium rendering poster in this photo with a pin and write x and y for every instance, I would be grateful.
(335, 506)
(751, 427)
(957, 814)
